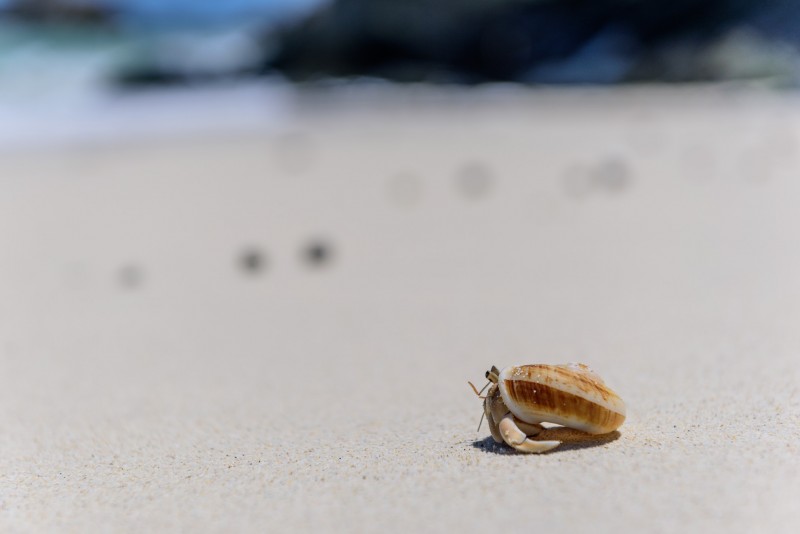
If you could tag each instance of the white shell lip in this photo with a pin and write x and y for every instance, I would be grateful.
(528, 416)
(516, 409)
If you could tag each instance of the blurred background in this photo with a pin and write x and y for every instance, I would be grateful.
(71, 58)
(251, 251)
(128, 43)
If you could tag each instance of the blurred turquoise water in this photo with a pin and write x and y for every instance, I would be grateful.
(45, 60)
(202, 37)
(58, 83)
(209, 11)
(185, 13)
(49, 59)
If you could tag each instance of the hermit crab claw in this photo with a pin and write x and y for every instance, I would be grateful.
(506, 427)
(515, 437)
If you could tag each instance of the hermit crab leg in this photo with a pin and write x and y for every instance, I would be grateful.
(517, 438)
(493, 428)
(496, 410)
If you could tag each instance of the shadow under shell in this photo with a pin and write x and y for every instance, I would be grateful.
(570, 439)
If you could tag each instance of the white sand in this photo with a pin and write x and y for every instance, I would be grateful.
(148, 384)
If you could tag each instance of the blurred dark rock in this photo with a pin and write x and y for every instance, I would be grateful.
(537, 41)
(317, 253)
(474, 180)
(252, 261)
(612, 175)
(131, 276)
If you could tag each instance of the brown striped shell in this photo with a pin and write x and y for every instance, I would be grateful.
(571, 395)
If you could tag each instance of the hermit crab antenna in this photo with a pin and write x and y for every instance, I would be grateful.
(478, 393)
(481, 421)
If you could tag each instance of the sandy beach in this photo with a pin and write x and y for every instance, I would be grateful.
(272, 328)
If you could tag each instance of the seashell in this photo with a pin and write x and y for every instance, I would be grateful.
(572, 395)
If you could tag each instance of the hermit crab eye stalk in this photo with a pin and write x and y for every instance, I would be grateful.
(493, 375)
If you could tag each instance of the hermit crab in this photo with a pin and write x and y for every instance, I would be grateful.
(523, 396)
